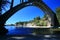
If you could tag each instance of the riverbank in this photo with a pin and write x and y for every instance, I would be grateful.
(29, 26)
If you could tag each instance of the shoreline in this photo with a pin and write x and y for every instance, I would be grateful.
(34, 26)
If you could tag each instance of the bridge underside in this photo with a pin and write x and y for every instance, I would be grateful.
(51, 15)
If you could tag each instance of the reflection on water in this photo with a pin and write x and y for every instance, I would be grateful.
(18, 31)
(10, 28)
(25, 31)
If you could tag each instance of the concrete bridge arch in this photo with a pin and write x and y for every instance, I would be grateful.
(39, 3)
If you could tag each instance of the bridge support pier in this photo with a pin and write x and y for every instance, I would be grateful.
(3, 30)
(56, 23)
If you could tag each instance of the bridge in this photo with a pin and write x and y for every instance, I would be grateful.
(24, 3)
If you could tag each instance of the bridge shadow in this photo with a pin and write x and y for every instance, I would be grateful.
(28, 37)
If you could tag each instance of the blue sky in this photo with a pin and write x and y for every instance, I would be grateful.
(30, 12)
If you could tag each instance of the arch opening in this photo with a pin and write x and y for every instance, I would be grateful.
(13, 27)
(36, 14)
(47, 12)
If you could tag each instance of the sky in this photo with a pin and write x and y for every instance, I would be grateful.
(30, 12)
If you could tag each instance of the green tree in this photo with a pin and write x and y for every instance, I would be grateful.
(20, 23)
(37, 20)
(58, 14)
(44, 16)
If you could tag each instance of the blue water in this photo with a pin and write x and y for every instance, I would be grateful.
(26, 31)
(12, 30)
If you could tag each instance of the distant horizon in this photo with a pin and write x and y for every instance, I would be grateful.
(28, 13)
